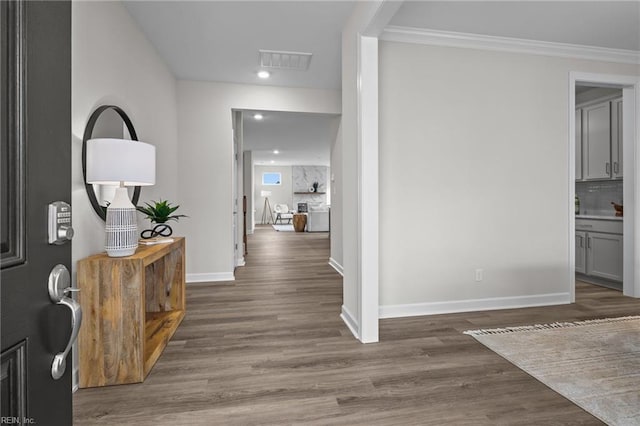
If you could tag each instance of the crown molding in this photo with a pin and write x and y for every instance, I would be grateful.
(507, 44)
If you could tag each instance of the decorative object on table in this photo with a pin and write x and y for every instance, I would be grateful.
(266, 209)
(124, 163)
(577, 205)
(618, 208)
(592, 363)
(315, 187)
(303, 208)
(107, 121)
(160, 212)
(156, 240)
(312, 189)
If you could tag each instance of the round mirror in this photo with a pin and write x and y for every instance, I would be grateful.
(108, 121)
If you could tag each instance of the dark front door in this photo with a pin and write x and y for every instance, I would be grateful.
(35, 111)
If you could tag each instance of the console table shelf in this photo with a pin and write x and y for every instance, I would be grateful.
(310, 193)
(131, 306)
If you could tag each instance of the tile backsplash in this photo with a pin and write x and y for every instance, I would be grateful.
(596, 197)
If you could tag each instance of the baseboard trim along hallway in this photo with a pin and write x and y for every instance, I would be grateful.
(433, 308)
(350, 321)
(335, 265)
(210, 277)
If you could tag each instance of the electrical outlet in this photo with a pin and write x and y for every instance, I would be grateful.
(479, 273)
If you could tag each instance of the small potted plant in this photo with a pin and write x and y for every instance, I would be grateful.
(159, 212)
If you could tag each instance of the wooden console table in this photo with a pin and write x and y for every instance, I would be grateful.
(131, 308)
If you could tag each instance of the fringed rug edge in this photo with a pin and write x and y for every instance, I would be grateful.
(550, 326)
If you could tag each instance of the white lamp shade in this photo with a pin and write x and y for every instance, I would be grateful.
(111, 161)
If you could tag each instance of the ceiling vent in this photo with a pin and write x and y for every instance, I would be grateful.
(285, 60)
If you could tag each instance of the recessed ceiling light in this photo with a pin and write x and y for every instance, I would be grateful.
(272, 161)
(258, 116)
(275, 151)
(263, 74)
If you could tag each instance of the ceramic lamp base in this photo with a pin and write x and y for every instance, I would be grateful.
(121, 233)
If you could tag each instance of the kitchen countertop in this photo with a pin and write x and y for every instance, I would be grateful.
(598, 217)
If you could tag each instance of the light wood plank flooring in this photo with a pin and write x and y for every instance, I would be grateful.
(270, 348)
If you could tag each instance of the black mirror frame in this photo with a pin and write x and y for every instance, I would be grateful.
(88, 131)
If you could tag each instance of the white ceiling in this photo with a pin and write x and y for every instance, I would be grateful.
(612, 24)
(219, 40)
(302, 139)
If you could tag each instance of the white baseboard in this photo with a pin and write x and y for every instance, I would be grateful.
(211, 276)
(335, 265)
(351, 323)
(417, 309)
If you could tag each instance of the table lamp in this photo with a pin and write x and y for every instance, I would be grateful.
(124, 163)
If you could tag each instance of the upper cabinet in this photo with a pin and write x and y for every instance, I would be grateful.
(599, 141)
(616, 138)
(596, 141)
(578, 143)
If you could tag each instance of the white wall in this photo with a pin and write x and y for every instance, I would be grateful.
(204, 161)
(280, 194)
(359, 140)
(473, 147)
(113, 63)
(238, 132)
(335, 180)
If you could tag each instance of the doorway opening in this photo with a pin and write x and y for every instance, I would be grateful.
(599, 198)
(603, 190)
(282, 167)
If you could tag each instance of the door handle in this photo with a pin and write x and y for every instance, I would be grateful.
(608, 168)
(615, 167)
(59, 288)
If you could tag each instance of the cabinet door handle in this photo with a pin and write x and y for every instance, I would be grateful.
(581, 242)
(588, 242)
(615, 167)
(607, 168)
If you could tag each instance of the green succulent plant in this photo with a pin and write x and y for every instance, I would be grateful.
(160, 211)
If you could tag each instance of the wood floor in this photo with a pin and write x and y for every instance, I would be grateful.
(270, 348)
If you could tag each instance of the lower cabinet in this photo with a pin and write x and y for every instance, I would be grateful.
(599, 255)
(581, 252)
(604, 256)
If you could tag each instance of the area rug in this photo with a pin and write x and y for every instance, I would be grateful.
(595, 364)
(288, 227)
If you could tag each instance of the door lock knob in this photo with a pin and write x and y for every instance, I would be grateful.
(65, 232)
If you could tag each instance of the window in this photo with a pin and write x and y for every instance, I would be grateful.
(271, 179)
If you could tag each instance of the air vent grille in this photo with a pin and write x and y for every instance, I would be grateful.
(285, 60)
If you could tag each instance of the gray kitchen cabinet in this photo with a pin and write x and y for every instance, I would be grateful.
(616, 138)
(604, 256)
(599, 249)
(581, 252)
(596, 141)
(578, 143)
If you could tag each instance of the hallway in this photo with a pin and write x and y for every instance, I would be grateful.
(270, 348)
